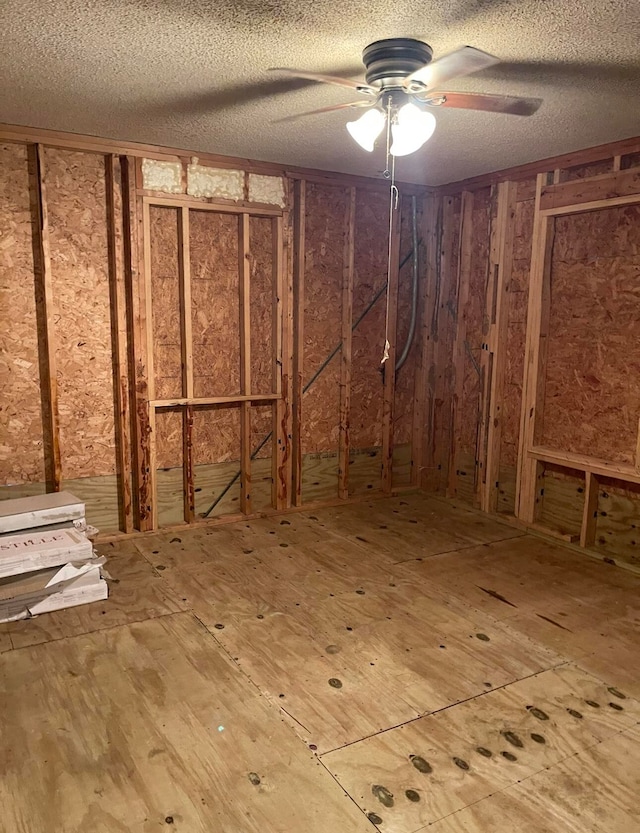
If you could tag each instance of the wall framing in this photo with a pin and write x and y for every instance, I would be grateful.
(139, 405)
(553, 200)
(588, 504)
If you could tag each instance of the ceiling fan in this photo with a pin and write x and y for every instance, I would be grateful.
(401, 85)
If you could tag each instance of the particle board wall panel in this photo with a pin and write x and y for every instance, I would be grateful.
(21, 448)
(369, 284)
(459, 309)
(77, 211)
(585, 171)
(165, 302)
(324, 245)
(168, 438)
(215, 303)
(216, 459)
(593, 343)
(405, 377)
(405, 383)
(422, 468)
(262, 439)
(470, 303)
(444, 329)
(478, 274)
(348, 263)
(261, 303)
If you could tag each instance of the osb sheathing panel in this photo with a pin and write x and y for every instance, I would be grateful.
(216, 435)
(261, 304)
(367, 340)
(76, 201)
(169, 490)
(517, 301)
(165, 302)
(585, 171)
(21, 454)
(469, 407)
(618, 522)
(215, 303)
(324, 239)
(168, 439)
(261, 425)
(592, 394)
(406, 376)
(445, 331)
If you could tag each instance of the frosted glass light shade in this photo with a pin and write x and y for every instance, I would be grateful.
(413, 128)
(367, 128)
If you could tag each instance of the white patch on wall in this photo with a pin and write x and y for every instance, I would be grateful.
(214, 182)
(266, 189)
(162, 176)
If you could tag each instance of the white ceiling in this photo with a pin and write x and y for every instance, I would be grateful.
(174, 72)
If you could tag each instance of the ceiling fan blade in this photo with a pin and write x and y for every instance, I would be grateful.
(573, 73)
(330, 109)
(463, 61)
(360, 86)
(490, 103)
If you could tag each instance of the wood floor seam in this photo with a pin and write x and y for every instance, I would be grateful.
(443, 709)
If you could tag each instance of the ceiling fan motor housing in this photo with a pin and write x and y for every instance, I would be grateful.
(389, 61)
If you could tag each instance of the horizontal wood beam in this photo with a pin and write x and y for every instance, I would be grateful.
(583, 462)
(594, 205)
(594, 189)
(214, 400)
(221, 206)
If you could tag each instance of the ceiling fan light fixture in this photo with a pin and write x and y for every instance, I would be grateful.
(412, 128)
(367, 128)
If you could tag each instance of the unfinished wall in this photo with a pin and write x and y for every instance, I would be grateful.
(406, 375)
(588, 397)
(369, 284)
(326, 208)
(76, 322)
(21, 444)
(148, 345)
(215, 303)
(593, 335)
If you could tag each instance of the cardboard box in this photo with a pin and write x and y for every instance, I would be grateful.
(25, 553)
(40, 510)
(54, 589)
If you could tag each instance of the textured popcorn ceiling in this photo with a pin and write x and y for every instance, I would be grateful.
(172, 72)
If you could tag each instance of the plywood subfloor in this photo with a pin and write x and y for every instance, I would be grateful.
(402, 664)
